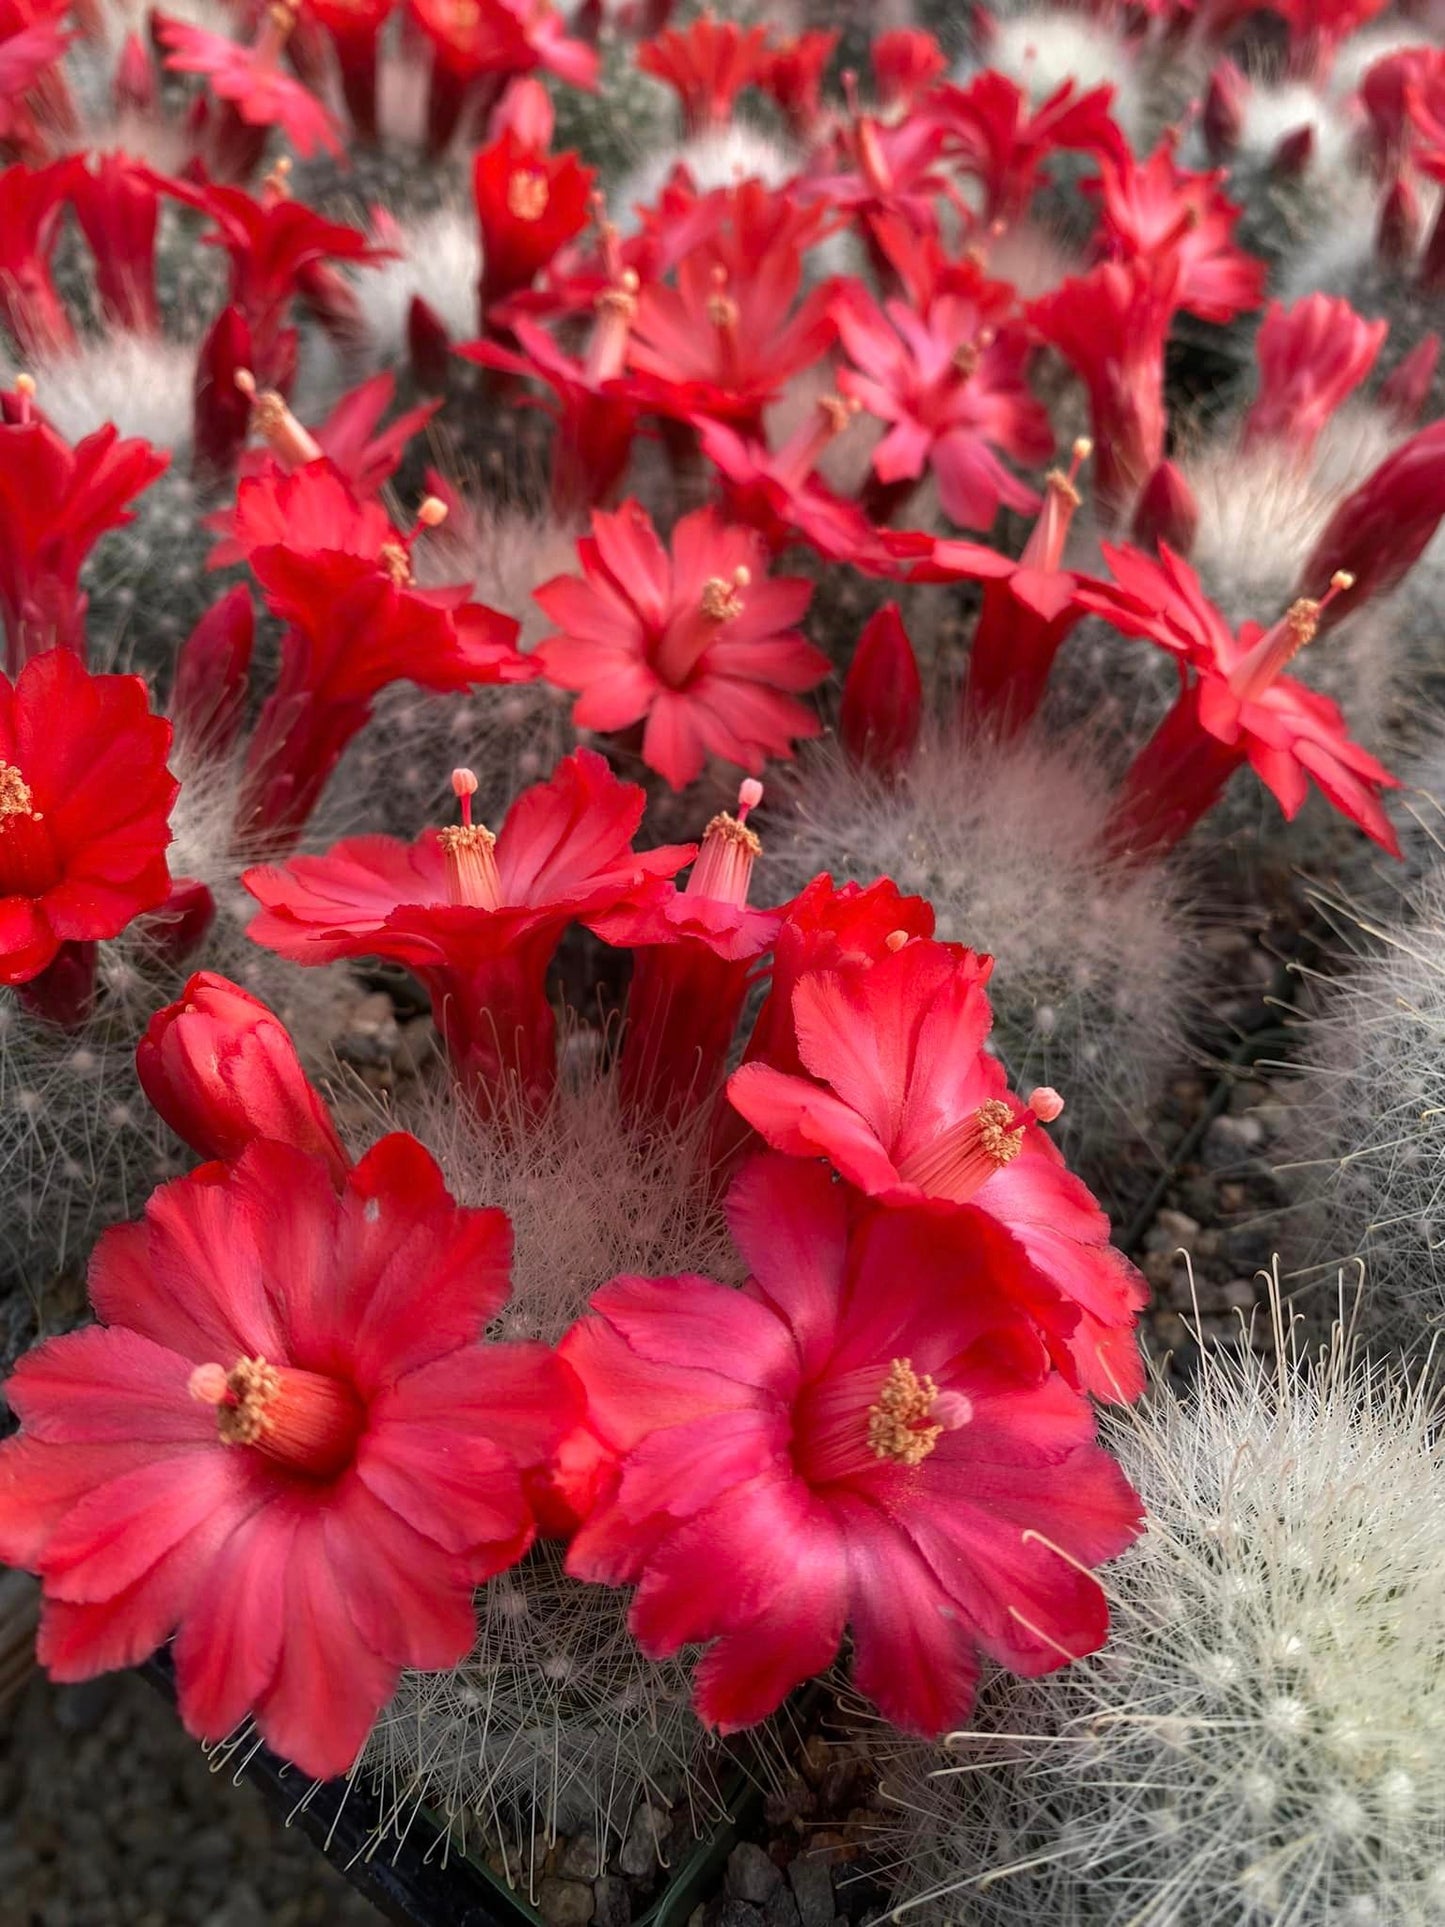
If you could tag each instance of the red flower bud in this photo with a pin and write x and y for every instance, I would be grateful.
(882, 696)
(222, 411)
(1293, 156)
(208, 699)
(1380, 531)
(1222, 119)
(1406, 389)
(1167, 511)
(428, 347)
(218, 1066)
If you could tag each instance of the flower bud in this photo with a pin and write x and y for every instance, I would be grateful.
(219, 1068)
(1166, 511)
(208, 698)
(882, 705)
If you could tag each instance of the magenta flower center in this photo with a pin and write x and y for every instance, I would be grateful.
(27, 855)
(306, 1421)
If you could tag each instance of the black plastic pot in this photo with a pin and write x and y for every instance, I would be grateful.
(418, 1881)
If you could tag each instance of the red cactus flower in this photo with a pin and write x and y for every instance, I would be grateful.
(785, 500)
(1383, 527)
(854, 1442)
(1029, 606)
(1001, 139)
(273, 243)
(791, 74)
(118, 207)
(32, 201)
(475, 916)
(252, 83)
(696, 951)
(339, 573)
(707, 64)
(894, 170)
(345, 444)
(901, 1096)
(1111, 325)
(1151, 207)
(1311, 357)
(595, 408)
(478, 44)
(283, 1443)
(698, 642)
(1236, 708)
(529, 204)
(949, 374)
(219, 1068)
(844, 929)
(84, 800)
(473, 37)
(881, 713)
(726, 339)
(349, 439)
(354, 27)
(55, 504)
(906, 64)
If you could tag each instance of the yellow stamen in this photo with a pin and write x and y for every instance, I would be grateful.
(898, 1427)
(527, 195)
(15, 796)
(721, 601)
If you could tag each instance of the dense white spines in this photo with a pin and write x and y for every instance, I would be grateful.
(1262, 1741)
(1367, 1153)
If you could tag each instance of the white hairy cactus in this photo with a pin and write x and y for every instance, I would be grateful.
(1262, 1741)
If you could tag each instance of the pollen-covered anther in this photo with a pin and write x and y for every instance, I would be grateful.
(1058, 483)
(621, 297)
(724, 867)
(275, 423)
(965, 1156)
(396, 562)
(469, 850)
(965, 358)
(999, 1134)
(898, 1423)
(722, 600)
(527, 194)
(15, 797)
(838, 411)
(306, 1420)
(895, 940)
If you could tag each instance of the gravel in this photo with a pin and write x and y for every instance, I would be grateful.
(110, 1817)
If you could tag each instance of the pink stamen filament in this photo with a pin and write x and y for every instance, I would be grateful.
(306, 1421)
(472, 878)
(275, 423)
(724, 867)
(688, 636)
(1276, 648)
(800, 454)
(963, 1157)
(607, 350)
(1050, 534)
